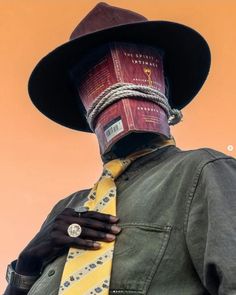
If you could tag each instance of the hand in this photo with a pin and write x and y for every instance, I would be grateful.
(53, 240)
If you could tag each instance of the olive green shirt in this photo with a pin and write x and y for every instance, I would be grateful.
(177, 214)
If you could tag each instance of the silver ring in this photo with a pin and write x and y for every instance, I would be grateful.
(74, 230)
(81, 209)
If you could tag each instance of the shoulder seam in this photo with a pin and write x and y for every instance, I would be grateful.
(215, 156)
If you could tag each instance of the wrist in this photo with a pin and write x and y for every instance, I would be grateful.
(28, 265)
(19, 281)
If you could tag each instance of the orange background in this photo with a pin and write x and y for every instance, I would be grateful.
(41, 161)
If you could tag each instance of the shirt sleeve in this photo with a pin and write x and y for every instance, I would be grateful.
(211, 227)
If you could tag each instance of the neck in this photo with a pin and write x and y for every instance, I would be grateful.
(132, 143)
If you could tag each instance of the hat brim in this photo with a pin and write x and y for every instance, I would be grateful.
(187, 63)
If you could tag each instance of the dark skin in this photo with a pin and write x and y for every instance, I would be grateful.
(53, 241)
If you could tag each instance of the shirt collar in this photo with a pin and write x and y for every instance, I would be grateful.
(154, 143)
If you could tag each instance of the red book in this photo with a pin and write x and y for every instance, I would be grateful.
(128, 63)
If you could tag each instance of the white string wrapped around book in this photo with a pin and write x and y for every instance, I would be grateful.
(128, 90)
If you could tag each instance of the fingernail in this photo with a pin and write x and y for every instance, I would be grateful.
(96, 244)
(114, 218)
(110, 237)
(116, 229)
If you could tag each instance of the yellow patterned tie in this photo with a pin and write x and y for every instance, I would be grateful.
(88, 272)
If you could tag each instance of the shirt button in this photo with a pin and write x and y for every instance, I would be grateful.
(51, 272)
(126, 177)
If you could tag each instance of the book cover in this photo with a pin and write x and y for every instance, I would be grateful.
(122, 62)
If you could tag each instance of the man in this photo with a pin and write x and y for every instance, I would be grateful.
(175, 226)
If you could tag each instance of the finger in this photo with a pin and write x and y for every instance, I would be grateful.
(86, 233)
(91, 223)
(95, 235)
(64, 241)
(85, 244)
(92, 214)
(100, 216)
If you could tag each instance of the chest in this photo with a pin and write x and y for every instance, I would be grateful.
(151, 209)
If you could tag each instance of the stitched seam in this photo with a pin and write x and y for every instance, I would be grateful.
(148, 160)
(158, 259)
(194, 188)
(80, 194)
(115, 291)
(166, 228)
(133, 174)
(149, 273)
(215, 157)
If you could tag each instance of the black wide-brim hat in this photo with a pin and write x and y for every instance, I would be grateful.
(187, 61)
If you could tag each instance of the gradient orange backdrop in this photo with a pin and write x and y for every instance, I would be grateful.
(41, 161)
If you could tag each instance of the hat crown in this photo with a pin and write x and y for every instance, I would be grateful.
(104, 16)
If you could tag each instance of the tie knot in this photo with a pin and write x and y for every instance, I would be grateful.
(115, 167)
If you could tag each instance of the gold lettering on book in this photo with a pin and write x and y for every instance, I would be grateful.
(143, 62)
(141, 56)
(148, 72)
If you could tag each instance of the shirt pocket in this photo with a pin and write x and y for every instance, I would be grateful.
(139, 249)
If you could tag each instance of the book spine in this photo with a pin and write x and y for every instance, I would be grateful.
(116, 62)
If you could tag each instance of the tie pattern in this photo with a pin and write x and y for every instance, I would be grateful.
(88, 272)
